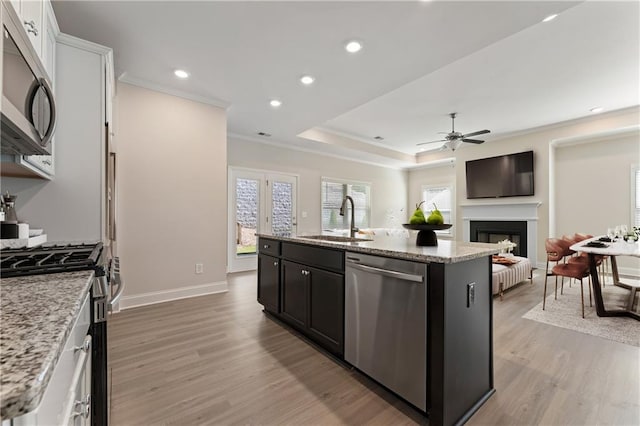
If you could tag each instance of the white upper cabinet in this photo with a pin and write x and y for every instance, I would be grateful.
(31, 15)
(40, 23)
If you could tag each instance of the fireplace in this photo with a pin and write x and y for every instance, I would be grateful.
(491, 231)
(497, 213)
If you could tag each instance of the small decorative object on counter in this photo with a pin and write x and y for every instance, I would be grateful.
(506, 246)
(426, 235)
(9, 202)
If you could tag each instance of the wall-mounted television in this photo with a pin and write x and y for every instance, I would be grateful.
(503, 176)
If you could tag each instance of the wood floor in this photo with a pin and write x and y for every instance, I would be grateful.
(219, 360)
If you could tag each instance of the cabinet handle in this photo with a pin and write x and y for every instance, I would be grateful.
(86, 346)
(305, 272)
(85, 407)
(31, 27)
(266, 246)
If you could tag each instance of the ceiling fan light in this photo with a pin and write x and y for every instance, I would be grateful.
(453, 144)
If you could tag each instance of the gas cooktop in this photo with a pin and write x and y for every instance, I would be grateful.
(50, 259)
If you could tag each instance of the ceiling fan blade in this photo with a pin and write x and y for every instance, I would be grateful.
(472, 141)
(479, 132)
(426, 143)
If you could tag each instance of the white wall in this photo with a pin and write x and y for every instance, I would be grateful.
(539, 141)
(172, 168)
(593, 186)
(388, 186)
(69, 208)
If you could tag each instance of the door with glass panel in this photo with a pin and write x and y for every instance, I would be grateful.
(259, 202)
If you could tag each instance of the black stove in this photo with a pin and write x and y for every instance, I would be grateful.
(54, 258)
(50, 259)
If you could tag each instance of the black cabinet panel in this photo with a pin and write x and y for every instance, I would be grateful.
(269, 282)
(267, 246)
(294, 293)
(319, 257)
(326, 308)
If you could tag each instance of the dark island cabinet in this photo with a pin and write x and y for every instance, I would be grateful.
(313, 302)
(269, 282)
(304, 287)
(326, 308)
(294, 294)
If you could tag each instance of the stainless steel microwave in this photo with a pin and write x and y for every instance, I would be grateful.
(28, 107)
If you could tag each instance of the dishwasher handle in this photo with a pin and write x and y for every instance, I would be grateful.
(387, 273)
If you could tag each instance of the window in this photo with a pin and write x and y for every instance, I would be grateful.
(635, 195)
(442, 197)
(333, 192)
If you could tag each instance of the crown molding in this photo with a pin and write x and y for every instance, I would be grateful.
(443, 162)
(79, 43)
(285, 145)
(135, 81)
(571, 122)
(595, 137)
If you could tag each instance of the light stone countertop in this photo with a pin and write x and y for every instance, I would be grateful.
(37, 313)
(404, 248)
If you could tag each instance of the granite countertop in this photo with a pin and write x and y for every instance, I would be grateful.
(404, 248)
(37, 314)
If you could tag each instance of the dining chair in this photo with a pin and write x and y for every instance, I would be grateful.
(557, 250)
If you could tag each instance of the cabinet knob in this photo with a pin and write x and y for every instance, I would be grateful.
(275, 263)
(86, 346)
(85, 407)
(31, 27)
(266, 246)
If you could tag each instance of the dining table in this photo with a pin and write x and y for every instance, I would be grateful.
(597, 247)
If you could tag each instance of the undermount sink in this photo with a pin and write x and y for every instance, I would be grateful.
(336, 238)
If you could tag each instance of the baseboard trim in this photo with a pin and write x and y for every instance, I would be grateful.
(134, 301)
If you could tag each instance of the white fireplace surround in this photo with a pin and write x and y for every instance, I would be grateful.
(501, 212)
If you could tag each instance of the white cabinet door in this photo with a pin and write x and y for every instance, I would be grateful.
(50, 31)
(46, 163)
(17, 5)
(31, 16)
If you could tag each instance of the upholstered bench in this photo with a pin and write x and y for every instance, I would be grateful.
(506, 276)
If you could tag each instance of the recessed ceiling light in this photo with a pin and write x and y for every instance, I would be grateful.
(181, 74)
(275, 103)
(596, 110)
(353, 46)
(307, 80)
(266, 135)
(550, 18)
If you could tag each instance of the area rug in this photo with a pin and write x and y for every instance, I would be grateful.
(566, 313)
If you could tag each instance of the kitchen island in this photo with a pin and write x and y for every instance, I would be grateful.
(39, 314)
(443, 323)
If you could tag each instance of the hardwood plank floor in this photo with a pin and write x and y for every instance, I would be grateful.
(219, 360)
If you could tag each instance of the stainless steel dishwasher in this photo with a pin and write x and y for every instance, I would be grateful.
(386, 323)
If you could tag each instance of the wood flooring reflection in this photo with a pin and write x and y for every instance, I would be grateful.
(219, 360)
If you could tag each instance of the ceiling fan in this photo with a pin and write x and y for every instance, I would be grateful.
(454, 139)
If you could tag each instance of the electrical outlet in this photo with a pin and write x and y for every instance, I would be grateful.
(199, 268)
(471, 294)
